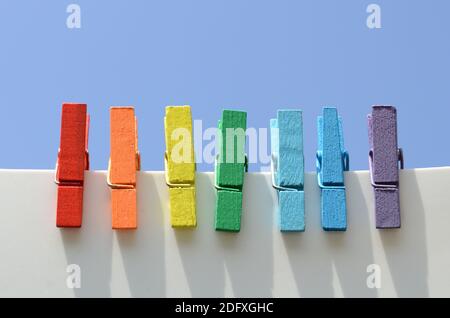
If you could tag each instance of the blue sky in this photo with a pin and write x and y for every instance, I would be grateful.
(253, 55)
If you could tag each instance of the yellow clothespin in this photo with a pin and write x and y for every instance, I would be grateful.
(180, 166)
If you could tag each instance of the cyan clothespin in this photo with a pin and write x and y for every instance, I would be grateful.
(332, 161)
(288, 169)
(384, 159)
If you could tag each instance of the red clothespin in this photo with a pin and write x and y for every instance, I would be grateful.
(73, 160)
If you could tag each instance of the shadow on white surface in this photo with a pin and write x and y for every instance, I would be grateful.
(90, 246)
(201, 260)
(222, 264)
(406, 248)
(248, 255)
(320, 260)
(142, 250)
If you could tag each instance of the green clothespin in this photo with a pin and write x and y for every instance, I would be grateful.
(231, 163)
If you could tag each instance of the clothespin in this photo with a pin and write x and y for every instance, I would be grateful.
(180, 166)
(288, 169)
(384, 159)
(231, 163)
(332, 161)
(123, 164)
(72, 161)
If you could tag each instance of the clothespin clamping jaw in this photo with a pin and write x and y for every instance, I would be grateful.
(72, 161)
(288, 169)
(332, 161)
(230, 166)
(180, 166)
(384, 160)
(122, 167)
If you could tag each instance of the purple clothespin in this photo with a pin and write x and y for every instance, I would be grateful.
(384, 159)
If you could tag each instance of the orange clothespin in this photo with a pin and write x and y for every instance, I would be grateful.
(123, 164)
(72, 161)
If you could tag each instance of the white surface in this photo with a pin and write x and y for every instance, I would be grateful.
(156, 260)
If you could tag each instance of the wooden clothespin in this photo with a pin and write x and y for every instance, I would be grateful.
(180, 166)
(123, 164)
(332, 161)
(229, 170)
(384, 159)
(288, 169)
(72, 161)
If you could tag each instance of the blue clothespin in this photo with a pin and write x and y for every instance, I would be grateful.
(288, 169)
(332, 161)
